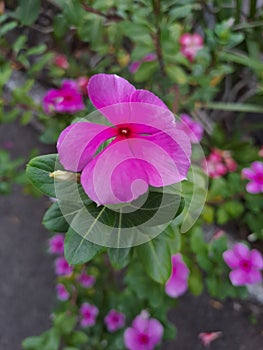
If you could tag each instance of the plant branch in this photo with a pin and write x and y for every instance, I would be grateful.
(157, 36)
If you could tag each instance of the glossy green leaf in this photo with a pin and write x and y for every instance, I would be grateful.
(54, 220)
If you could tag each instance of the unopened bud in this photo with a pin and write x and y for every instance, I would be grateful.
(61, 175)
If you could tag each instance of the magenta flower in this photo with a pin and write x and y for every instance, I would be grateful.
(178, 281)
(219, 163)
(62, 293)
(56, 244)
(88, 314)
(255, 175)
(85, 280)
(66, 99)
(136, 64)
(192, 128)
(146, 148)
(245, 264)
(62, 268)
(144, 334)
(114, 320)
(190, 45)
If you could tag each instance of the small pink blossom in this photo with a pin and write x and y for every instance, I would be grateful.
(66, 99)
(136, 64)
(88, 315)
(114, 320)
(245, 264)
(219, 163)
(56, 244)
(85, 280)
(207, 337)
(192, 128)
(178, 281)
(142, 132)
(190, 45)
(62, 293)
(61, 61)
(144, 334)
(83, 85)
(62, 268)
(255, 175)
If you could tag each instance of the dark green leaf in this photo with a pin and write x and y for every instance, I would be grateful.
(54, 220)
(27, 11)
(119, 257)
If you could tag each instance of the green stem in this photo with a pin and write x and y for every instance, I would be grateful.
(238, 11)
(253, 9)
(234, 107)
(157, 39)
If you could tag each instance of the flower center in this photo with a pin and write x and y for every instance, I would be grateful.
(144, 338)
(124, 132)
(245, 265)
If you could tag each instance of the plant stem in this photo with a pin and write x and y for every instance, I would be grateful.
(238, 11)
(253, 9)
(157, 37)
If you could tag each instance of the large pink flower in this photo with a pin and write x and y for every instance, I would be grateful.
(66, 99)
(144, 334)
(255, 175)
(177, 283)
(245, 264)
(145, 146)
(190, 45)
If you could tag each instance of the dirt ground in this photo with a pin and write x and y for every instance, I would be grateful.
(27, 294)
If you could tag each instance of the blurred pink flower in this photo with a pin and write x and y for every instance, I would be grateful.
(61, 61)
(56, 244)
(207, 337)
(88, 315)
(255, 175)
(245, 264)
(62, 268)
(177, 283)
(192, 128)
(8, 144)
(219, 163)
(62, 293)
(144, 334)
(134, 66)
(83, 85)
(85, 280)
(190, 45)
(66, 99)
(114, 320)
(143, 132)
(260, 152)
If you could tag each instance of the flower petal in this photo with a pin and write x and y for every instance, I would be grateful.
(254, 277)
(254, 187)
(78, 142)
(131, 340)
(231, 259)
(248, 173)
(257, 167)
(238, 277)
(155, 331)
(256, 259)
(147, 97)
(241, 250)
(109, 89)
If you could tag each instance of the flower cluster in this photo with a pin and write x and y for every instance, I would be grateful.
(219, 163)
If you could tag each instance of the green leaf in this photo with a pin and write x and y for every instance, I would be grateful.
(176, 74)
(54, 220)
(197, 242)
(119, 257)
(39, 169)
(156, 256)
(32, 343)
(7, 27)
(145, 71)
(79, 250)
(27, 11)
(78, 338)
(60, 26)
(64, 323)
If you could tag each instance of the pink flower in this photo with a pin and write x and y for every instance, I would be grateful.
(255, 175)
(260, 152)
(88, 314)
(85, 280)
(144, 334)
(62, 293)
(190, 45)
(114, 320)
(192, 128)
(56, 244)
(67, 99)
(146, 148)
(219, 163)
(83, 85)
(207, 337)
(178, 281)
(61, 61)
(245, 264)
(62, 268)
(136, 64)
